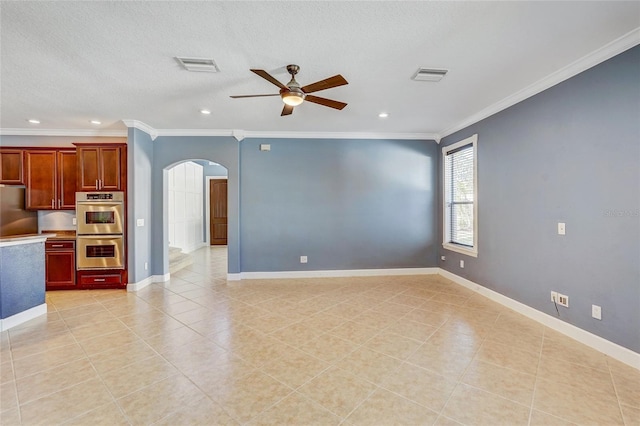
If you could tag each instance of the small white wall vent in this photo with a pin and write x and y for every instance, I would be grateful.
(198, 64)
(429, 74)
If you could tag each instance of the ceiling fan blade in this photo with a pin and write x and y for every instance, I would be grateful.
(326, 102)
(269, 77)
(251, 96)
(287, 110)
(327, 83)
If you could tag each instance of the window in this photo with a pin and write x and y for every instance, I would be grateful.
(460, 197)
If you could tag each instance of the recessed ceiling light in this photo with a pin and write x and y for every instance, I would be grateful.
(95, 122)
(383, 115)
(205, 111)
(33, 121)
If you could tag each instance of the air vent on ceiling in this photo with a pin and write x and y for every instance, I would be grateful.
(429, 74)
(198, 64)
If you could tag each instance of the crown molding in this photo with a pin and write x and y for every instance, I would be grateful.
(63, 132)
(608, 51)
(239, 134)
(195, 132)
(342, 135)
(141, 126)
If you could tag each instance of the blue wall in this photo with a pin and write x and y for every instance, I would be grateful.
(140, 162)
(570, 154)
(344, 203)
(170, 150)
(347, 204)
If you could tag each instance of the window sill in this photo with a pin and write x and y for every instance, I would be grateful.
(473, 252)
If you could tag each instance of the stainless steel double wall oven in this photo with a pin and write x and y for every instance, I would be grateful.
(100, 230)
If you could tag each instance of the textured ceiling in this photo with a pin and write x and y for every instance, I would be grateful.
(66, 63)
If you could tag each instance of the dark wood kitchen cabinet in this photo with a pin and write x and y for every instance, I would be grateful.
(11, 166)
(60, 264)
(50, 178)
(101, 167)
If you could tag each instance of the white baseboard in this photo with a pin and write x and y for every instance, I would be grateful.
(331, 273)
(22, 317)
(147, 281)
(607, 347)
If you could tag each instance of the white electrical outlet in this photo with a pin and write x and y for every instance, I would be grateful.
(596, 312)
(303, 259)
(74, 221)
(560, 299)
(563, 300)
(146, 266)
(561, 228)
(139, 222)
(443, 258)
(265, 147)
(462, 264)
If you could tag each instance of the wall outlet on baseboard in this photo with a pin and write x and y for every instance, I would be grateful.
(462, 264)
(303, 259)
(443, 258)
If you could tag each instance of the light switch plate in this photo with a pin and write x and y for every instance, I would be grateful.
(139, 222)
(596, 312)
(303, 259)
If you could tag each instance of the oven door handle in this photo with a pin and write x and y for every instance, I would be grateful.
(100, 237)
(99, 203)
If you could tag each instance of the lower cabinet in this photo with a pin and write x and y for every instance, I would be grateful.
(102, 279)
(60, 264)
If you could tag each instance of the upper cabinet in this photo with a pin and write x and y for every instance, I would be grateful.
(11, 166)
(50, 178)
(101, 167)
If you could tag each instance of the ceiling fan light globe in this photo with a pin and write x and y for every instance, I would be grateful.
(292, 98)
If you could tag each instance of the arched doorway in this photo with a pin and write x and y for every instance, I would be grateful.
(196, 213)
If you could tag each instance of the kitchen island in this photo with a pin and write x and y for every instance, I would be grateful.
(22, 279)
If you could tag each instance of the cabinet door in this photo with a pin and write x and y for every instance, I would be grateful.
(88, 168)
(40, 180)
(11, 171)
(60, 269)
(110, 169)
(67, 178)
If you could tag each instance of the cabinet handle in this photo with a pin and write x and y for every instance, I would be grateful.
(57, 245)
(99, 279)
(59, 204)
(101, 184)
(53, 204)
(96, 183)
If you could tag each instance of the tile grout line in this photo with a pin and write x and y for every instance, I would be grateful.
(615, 390)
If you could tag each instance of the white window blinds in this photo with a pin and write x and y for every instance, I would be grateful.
(460, 197)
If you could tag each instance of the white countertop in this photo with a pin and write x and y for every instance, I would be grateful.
(14, 240)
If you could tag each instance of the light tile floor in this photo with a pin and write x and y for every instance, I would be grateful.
(355, 351)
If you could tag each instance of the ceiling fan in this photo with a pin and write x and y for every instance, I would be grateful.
(293, 95)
